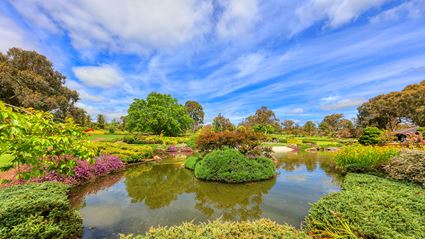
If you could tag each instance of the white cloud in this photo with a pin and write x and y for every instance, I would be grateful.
(408, 9)
(12, 35)
(343, 104)
(238, 18)
(127, 25)
(334, 12)
(104, 76)
(295, 111)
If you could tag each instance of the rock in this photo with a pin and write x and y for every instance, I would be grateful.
(331, 149)
(156, 157)
(314, 149)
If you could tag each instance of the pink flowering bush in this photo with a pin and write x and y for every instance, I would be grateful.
(84, 171)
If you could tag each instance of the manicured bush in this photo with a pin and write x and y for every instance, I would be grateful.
(231, 166)
(155, 139)
(191, 162)
(38, 211)
(128, 153)
(372, 207)
(409, 165)
(364, 158)
(244, 139)
(262, 228)
(371, 136)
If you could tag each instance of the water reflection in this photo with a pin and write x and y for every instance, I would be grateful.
(167, 194)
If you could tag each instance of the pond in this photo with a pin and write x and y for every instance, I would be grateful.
(167, 194)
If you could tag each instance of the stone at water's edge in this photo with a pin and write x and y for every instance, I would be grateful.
(281, 149)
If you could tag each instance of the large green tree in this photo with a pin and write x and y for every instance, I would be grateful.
(263, 118)
(28, 79)
(196, 112)
(310, 128)
(158, 114)
(387, 111)
(101, 121)
(221, 123)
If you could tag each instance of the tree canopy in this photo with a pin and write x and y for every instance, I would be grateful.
(196, 112)
(387, 111)
(263, 119)
(221, 123)
(28, 79)
(158, 114)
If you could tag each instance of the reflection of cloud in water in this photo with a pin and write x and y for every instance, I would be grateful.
(295, 178)
(101, 215)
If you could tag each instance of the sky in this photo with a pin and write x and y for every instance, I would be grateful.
(303, 59)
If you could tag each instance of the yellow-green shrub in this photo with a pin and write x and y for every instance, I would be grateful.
(128, 153)
(263, 228)
(364, 158)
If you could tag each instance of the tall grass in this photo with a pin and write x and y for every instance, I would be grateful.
(364, 158)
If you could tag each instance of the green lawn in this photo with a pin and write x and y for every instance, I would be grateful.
(105, 136)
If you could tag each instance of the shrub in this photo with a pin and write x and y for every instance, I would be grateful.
(263, 228)
(409, 165)
(84, 171)
(191, 162)
(373, 207)
(246, 140)
(364, 158)
(294, 141)
(371, 136)
(38, 211)
(154, 139)
(126, 152)
(230, 166)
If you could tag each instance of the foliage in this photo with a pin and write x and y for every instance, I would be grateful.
(230, 166)
(335, 125)
(263, 228)
(373, 207)
(154, 139)
(28, 79)
(409, 165)
(103, 165)
(128, 153)
(364, 158)
(32, 136)
(196, 112)
(221, 123)
(38, 211)
(245, 140)
(264, 120)
(310, 128)
(191, 162)
(158, 114)
(387, 111)
(101, 121)
(371, 136)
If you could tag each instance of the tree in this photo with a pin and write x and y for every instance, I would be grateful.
(262, 119)
(310, 128)
(388, 111)
(101, 122)
(158, 114)
(196, 112)
(28, 79)
(221, 123)
(330, 124)
(288, 126)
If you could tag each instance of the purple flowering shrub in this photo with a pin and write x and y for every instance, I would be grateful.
(84, 171)
(172, 148)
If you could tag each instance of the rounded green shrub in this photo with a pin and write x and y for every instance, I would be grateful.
(191, 162)
(371, 136)
(230, 166)
(38, 211)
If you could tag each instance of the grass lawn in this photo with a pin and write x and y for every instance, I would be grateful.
(5, 160)
(100, 137)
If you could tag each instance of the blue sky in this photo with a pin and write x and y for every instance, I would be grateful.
(303, 59)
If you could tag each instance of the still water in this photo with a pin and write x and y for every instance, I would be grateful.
(167, 194)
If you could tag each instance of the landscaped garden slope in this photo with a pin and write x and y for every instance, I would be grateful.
(372, 207)
(38, 211)
(263, 228)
